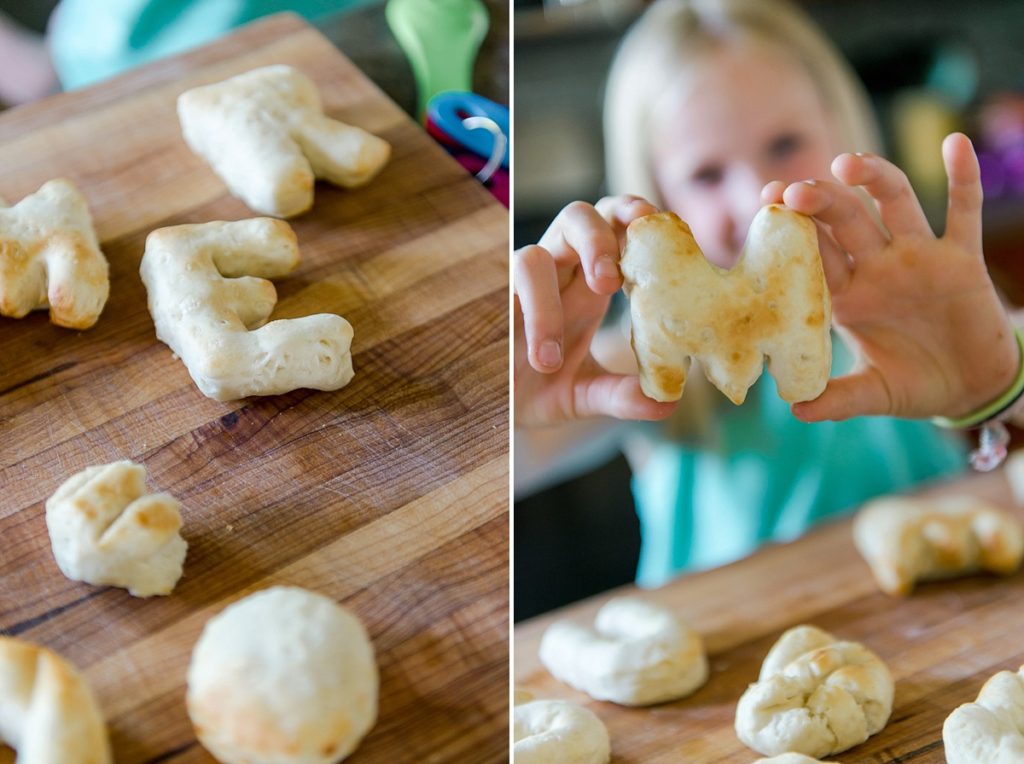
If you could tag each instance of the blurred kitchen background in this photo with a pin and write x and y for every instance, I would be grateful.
(930, 66)
(139, 30)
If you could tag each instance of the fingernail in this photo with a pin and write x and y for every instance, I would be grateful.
(549, 353)
(605, 268)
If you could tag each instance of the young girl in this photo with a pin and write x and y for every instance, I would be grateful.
(712, 110)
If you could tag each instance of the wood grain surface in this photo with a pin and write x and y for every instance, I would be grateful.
(390, 495)
(941, 644)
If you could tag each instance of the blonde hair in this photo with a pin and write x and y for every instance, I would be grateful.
(674, 33)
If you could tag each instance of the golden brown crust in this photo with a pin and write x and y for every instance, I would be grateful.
(49, 258)
(773, 304)
(907, 539)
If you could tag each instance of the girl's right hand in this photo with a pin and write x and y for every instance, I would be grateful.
(563, 286)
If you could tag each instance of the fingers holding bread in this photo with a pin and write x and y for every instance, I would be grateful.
(579, 237)
(835, 262)
(842, 209)
(563, 287)
(617, 395)
(862, 392)
(620, 211)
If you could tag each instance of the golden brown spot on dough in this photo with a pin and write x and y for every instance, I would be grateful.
(328, 749)
(815, 319)
(114, 483)
(745, 317)
(85, 508)
(158, 516)
(669, 379)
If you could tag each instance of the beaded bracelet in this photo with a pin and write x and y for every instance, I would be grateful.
(994, 437)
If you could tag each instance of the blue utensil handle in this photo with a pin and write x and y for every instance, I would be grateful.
(448, 110)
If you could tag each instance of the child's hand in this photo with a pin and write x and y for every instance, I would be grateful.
(921, 311)
(563, 286)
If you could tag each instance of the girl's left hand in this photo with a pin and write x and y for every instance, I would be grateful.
(920, 311)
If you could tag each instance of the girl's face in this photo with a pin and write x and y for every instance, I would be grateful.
(744, 117)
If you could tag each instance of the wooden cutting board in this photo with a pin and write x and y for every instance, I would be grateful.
(941, 644)
(390, 495)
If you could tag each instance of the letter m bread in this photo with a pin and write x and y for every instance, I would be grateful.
(773, 304)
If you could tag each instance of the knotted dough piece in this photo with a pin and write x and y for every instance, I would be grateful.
(991, 729)
(48, 714)
(815, 695)
(211, 311)
(105, 529)
(283, 676)
(50, 258)
(906, 539)
(558, 732)
(773, 303)
(265, 134)
(636, 654)
(792, 758)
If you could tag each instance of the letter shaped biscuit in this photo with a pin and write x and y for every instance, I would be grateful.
(815, 695)
(773, 303)
(50, 258)
(991, 729)
(211, 311)
(905, 540)
(48, 713)
(105, 529)
(265, 134)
